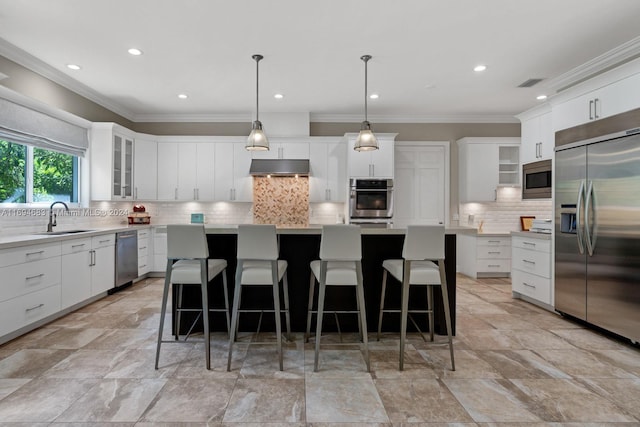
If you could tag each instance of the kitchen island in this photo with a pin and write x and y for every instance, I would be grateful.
(300, 246)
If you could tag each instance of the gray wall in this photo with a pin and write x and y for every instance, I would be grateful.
(31, 84)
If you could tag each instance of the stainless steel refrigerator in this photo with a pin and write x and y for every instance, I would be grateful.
(597, 232)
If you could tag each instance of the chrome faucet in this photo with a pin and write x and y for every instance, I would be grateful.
(52, 217)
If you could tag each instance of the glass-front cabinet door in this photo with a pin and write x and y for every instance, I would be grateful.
(122, 167)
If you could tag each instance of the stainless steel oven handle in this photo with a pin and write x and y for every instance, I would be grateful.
(579, 234)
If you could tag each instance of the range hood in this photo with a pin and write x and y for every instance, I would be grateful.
(279, 167)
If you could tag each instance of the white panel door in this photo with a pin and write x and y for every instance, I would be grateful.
(205, 171)
(145, 170)
(167, 171)
(187, 171)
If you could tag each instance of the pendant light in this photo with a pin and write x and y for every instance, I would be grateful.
(366, 140)
(257, 140)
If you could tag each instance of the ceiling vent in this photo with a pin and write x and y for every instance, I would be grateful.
(530, 82)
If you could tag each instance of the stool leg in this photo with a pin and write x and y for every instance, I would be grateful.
(321, 291)
(430, 308)
(163, 311)
(404, 310)
(178, 311)
(234, 313)
(363, 313)
(382, 295)
(287, 317)
(447, 313)
(276, 308)
(225, 288)
(205, 310)
(312, 288)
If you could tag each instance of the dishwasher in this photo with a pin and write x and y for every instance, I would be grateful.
(126, 259)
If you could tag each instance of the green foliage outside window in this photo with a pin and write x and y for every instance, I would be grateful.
(53, 174)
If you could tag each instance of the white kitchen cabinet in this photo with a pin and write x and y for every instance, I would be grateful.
(30, 288)
(232, 180)
(284, 150)
(195, 171)
(420, 184)
(328, 171)
(76, 271)
(484, 163)
(103, 263)
(538, 140)
(596, 99)
(484, 255)
(159, 235)
(531, 269)
(111, 166)
(145, 169)
(168, 171)
(145, 252)
(378, 163)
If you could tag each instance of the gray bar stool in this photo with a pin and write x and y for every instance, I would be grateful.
(422, 264)
(258, 264)
(340, 264)
(188, 264)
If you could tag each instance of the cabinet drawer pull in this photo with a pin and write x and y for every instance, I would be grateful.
(79, 245)
(495, 252)
(104, 241)
(493, 241)
(35, 307)
(34, 277)
(528, 262)
(35, 253)
(493, 265)
(528, 243)
(528, 285)
(143, 247)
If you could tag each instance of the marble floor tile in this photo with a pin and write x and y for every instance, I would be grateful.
(539, 339)
(144, 318)
(263, 362)
(267, 400)
(491, 400)
(141, 363)
(85, 364)
(468, 364)
(385, 363)
(567, 401)
(123, 339)
(43, 399)
(489, 339)
(9, 385)
(30, 340)
(420, 400)
(582, 364)
(507, 321)
(114, 400)
(520, 364)
(624, 393)
(69, 338)
(336, 364)
(191, 400)
(29, 363)
(343, 400)
(588, 339)
(627, 359)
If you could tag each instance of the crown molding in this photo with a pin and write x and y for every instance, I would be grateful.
(38, 66)
(193, 118)
(414, 118)
(617, 56)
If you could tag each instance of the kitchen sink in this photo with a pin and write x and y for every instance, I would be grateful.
(61, 232)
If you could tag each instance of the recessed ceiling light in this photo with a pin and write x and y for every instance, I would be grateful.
(278, 96)
(183, 96)
(479, 68)
(374, 96)
(135, 52)
(541, 97)
(74, 66)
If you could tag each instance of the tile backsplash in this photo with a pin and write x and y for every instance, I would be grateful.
(504, 214)
(282, 200)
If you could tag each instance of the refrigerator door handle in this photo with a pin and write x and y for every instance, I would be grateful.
(589, 239)
(579, 234)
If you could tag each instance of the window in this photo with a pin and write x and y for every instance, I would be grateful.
(32, 175)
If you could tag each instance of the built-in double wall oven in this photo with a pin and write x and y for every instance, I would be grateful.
(371, 199)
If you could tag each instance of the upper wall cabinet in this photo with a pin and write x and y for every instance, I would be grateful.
(231, 167)
(112, 153)
(611, 93)
(537, 137)
(328, 171)
(145, 169)
(484, 164)
(377, 163)
(187, 171)
(284, 150)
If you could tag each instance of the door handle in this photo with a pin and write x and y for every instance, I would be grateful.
(595, 109)
(591, 109)
(579, 233)
(590, 239)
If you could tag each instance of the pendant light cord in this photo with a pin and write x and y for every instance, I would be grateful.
(257, 58)
(366, 59)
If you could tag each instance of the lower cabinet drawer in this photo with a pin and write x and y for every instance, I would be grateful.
(26, 309)
(143, 265)
(534, 262)
(493, 265)
(29, 277)
(497, 252)
(531, 285)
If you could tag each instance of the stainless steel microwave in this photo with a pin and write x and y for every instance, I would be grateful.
(536, 180)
